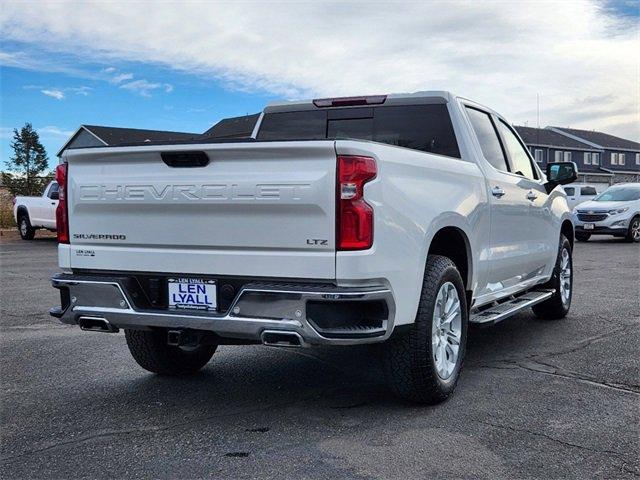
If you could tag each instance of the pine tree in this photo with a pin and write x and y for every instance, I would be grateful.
(28, 163)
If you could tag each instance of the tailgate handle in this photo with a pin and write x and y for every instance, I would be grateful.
(185, 159)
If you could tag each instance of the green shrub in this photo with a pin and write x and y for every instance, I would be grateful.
(6, 210)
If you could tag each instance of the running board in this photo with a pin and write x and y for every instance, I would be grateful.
(503, 310)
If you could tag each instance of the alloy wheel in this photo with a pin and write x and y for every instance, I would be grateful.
(635, 230)
(565, 276)
(446, 330)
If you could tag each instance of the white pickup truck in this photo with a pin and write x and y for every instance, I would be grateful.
(32, 213)
(396, 219)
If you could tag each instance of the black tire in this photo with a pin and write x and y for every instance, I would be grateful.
(150, 350)
(409, 363)
(557, 306)
(633, 233)
(27, 232)
(583, 237)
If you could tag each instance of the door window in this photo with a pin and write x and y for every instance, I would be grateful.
(520, 162)
(54, 191)
(570, 191)
(488, 138)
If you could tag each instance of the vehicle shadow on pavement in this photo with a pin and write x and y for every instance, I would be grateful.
(336, 377)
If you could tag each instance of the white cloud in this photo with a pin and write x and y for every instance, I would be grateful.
(84, 91)
(109, 69)
(168, 88)
(54, 93)
(142, 87)
(499, 53)
(6, 132)
(121, 77)
(53, 131)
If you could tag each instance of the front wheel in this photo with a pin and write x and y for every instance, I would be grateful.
(633, 234)
(562, 282)
(27, 232)
(423, 364)
(151, 351)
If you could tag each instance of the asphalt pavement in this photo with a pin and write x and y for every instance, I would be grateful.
(537, 399)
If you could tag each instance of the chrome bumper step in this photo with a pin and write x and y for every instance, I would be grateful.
(497, 312)
(274, 314)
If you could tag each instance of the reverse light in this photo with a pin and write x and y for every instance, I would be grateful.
(62, 215)
(354, 219)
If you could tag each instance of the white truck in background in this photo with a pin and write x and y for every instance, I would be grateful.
(578, 193)
(392, 219)
(33, 213)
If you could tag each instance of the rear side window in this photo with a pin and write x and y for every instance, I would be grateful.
(488, 139)
(519, 158)
(588, 191)
(420, 127)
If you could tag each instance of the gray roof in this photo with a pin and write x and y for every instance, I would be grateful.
(234, 127)
(602, 139)
(117, 135)
(112, 136)
(545, 136)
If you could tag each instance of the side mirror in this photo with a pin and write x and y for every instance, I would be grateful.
(560, 173)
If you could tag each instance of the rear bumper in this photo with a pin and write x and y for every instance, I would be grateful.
(257, 308)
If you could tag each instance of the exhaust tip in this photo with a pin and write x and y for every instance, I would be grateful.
(277, 338)
(97, 324)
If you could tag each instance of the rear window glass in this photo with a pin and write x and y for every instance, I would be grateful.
(420, 127)
(588, 191)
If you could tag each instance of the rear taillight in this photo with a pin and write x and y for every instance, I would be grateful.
(354, 219)
(62, 217)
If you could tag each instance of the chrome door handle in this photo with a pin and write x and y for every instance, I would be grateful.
(497, 192)
(531, 196)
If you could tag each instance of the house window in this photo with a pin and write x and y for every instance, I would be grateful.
(558, 156)
(614, 159)
(621, 158)
(587, 158)
(539, 155)
(595, 158)
(637, 158)
(567, 156)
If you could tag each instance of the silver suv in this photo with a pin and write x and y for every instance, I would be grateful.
(616, 211)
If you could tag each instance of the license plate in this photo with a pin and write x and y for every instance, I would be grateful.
(192, 294)
(589, 226)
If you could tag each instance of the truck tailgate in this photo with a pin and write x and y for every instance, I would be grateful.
(257, 208)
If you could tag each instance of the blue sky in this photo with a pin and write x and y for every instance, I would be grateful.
(185, 65)
(56, 103)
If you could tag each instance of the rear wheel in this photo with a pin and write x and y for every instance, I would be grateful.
(562, 282)
(633, 234)
(423, 364)
(583, 237)
(27, 232)
(150, 350)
